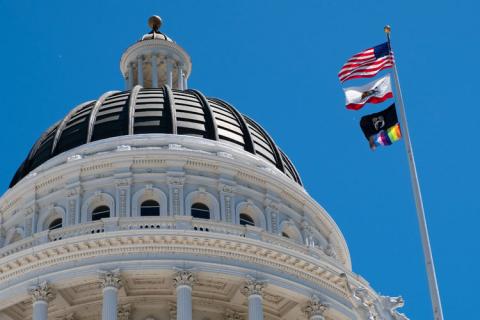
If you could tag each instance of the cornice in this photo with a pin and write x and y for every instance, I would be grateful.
(158, 245)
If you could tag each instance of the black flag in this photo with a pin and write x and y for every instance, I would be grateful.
(372, 124)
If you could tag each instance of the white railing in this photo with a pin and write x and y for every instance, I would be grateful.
(160, 223)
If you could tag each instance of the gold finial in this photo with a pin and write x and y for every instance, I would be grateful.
(387, 29)
(155, 22)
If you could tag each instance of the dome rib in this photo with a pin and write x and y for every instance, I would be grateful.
(210, 124)
(132, 102)
(249, 145)
(64, 122)
(93, 115)
(169, 106)
(273, 146)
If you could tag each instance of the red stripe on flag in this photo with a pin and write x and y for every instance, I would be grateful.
(358, 106)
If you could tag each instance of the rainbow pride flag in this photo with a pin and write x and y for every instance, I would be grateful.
(387, 137)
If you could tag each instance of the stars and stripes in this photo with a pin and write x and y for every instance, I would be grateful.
(367, 63)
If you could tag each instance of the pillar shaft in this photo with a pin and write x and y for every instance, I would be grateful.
(110, 303)
(154, 62)
(184, 302)
(130, 76)
(169, 73)
(255, 307)
(180, 79)
(183, 281)
(40, 310)
(140, 70)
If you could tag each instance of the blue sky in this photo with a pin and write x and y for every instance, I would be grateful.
(277, 61)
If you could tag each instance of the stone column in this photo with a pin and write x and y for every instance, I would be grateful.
(175, 188)
(122, 196)
(315, 309)
(140, 70)
(185, 85)
(183, 281)
(272, 209)
(154, 64)
(73, 193)
(253, 290)
(41, 295)
(111, 282)
(226, 201)
(130, 75)
(169, 67)
(180, 77)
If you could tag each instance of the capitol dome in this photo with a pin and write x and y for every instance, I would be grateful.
(155, 111)
(157, 202)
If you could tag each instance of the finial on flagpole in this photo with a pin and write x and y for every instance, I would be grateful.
(387, 29)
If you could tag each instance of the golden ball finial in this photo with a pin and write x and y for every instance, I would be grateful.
(155, 22)
(387, 29)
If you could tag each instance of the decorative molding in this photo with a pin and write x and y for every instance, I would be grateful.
(41, 292)
(232, 315)
(184, 278)
(110, 278)
(253, 287)
(124, 311)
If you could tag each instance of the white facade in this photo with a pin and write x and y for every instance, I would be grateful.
(289, 262)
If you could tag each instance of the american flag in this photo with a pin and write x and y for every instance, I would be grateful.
(367, 63)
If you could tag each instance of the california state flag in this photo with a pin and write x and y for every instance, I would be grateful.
(374, 92)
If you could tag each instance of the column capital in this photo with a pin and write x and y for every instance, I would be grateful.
(110, 278)
(184, 278)
(41, 292)
(253, 287)
(315, 308)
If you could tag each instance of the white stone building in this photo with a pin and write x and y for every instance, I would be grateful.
(160, 203)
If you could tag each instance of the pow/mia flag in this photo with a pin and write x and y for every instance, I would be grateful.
(381, 128)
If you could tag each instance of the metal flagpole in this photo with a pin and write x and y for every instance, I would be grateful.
(422, 223)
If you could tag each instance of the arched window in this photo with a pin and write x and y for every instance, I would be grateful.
(55, 224)
(201, 211)
(149, 208)
(245, 219)
(100, 212)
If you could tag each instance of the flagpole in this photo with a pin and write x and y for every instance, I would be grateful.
(422, 222)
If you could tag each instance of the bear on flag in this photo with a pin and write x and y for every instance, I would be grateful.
(374, 92)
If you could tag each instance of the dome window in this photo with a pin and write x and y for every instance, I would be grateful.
(284, 234)
(245, 220)
(100, 212)
(150, 208)
(200, 211)
(55, 224)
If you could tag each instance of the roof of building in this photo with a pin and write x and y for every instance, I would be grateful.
(159, 110)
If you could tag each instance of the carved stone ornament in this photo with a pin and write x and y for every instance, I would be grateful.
(232, 315)
(124, 311)
(69, 316)
(184, 278)
(253, 286)
(41, 292)
(110, 279)
(315, 307)
(176, 181)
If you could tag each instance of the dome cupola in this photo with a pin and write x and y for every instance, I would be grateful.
(155, 60)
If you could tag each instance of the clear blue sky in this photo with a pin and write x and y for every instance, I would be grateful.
(277, 61)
